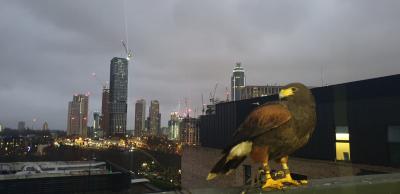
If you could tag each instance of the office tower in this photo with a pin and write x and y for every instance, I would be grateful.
(173, 126)
(45, 126)
(140, 117)
(105, 112)
(238, 82)
(1, 127)
(258, 91)
(21, 125)
(77, 115)
(118, 95)
(154, 118)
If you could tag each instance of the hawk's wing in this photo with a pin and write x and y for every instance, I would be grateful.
(261, 120)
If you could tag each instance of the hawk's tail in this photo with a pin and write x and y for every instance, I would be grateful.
(231, 160)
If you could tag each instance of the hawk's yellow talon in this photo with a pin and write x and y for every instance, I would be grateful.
(290, 181)
(272, 184)
(303, 182)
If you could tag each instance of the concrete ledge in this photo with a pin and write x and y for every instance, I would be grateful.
(197, 162)
(368, 184)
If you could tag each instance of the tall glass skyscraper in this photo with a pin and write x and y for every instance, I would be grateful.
(140, 117)
(118, 95)
(238, 82)
(154, 118)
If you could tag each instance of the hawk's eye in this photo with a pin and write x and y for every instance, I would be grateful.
(294, 89)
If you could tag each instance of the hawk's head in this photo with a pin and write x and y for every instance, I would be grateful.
(296, 92)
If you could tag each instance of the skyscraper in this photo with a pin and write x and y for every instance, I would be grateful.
(238, 82)
(21, 125)
(173, 125)
(96, 120)
(140, 117)
(105, 112)
(77, 115)
(118, 95)
(154, 118)
(45, 126)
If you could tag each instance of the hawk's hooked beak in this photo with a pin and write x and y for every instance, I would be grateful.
(285, 93)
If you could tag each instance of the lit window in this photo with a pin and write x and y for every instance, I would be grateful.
(342, 143)
(342, 136)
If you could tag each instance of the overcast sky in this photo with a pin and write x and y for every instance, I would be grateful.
(49, 49)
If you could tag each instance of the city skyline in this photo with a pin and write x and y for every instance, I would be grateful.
(181, 51)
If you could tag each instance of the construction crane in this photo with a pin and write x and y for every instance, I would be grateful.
(95, 78)
(227, 94)
(212, 95)
(127, 51)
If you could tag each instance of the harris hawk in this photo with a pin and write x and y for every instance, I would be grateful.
(272, 131)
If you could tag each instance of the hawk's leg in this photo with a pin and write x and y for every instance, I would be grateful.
(288, 178)
(269, 182)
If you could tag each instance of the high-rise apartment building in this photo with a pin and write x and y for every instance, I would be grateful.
(105, 112)
(118, 95)
(154, 118)
(78, 115)
(238, 82)
(21, 125)
(140, 117)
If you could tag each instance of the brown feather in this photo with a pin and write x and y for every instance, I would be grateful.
(261, 120)
(259, 153)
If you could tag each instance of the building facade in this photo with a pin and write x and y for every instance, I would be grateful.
(189, 131)
(105, 112)
(77, 115)
(118, 96)
(140, 117)
(173, 126)
(238, 82)
(154, 118)
(259, 91)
